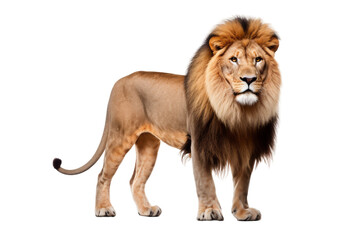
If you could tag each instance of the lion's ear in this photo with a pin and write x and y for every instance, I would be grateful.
(216, 44)
(272, 46)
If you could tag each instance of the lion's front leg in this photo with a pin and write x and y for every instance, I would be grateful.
(209, 207)
(240, 208)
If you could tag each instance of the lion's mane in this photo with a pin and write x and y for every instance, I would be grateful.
(222, 131)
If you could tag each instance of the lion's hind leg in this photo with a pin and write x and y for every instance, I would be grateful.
(147, 147)
(114, 155)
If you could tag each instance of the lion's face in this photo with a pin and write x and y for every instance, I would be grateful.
(242, 82)
(235, 75)
(243, 67)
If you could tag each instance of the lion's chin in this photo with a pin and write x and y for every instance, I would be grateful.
(247, 98)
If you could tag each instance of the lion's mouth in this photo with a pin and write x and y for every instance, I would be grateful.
(243, 92)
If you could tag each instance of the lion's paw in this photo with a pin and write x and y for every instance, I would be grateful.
(153, 211)
(210, 214)
(248, 214)
(105, 212)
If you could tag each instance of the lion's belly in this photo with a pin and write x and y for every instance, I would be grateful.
(168, 123)
(173, 138)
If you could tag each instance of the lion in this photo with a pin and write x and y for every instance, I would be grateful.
(222, 114)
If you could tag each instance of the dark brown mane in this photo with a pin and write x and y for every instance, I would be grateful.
(219, 146)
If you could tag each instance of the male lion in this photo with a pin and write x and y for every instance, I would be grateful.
(223, 112)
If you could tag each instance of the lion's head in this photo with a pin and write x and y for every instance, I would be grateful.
(242, 66)
(235, 75)
(232, 92)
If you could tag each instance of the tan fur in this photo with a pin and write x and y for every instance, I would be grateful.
(146, 107)
(141, 113)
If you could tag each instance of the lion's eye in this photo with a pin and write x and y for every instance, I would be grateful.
(258, 59)
(233, 59)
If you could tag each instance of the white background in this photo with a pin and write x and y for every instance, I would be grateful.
(58, 62)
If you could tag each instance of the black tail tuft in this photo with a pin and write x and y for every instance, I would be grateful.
(57, 163)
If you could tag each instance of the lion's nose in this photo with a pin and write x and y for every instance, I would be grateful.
(248, 79)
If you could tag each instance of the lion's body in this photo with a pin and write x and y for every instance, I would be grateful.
(223, 112)
(150, 102)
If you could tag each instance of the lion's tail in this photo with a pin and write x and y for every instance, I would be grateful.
(57, 162)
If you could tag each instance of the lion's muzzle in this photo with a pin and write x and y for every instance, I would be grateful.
(248, 95)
